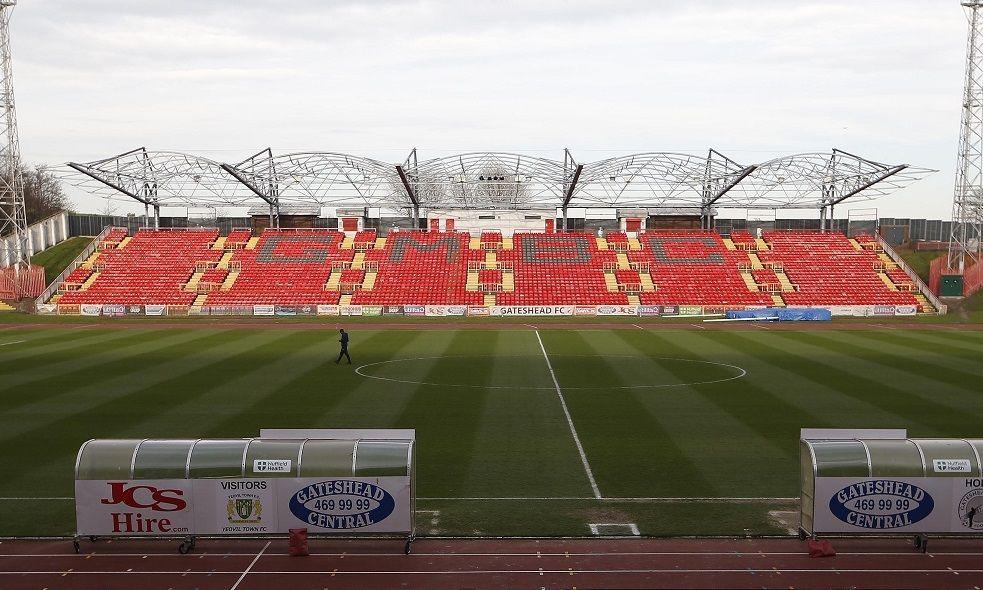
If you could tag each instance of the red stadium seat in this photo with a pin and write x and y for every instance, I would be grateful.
(686, 267)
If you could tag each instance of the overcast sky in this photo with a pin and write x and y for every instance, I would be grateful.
(754, 79)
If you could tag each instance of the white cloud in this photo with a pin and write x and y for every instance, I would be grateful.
(753, 78)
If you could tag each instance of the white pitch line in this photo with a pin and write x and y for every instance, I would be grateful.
(741, 372)
(34, 498)
(654, 500)
(251, 564)
(14, 342)
(573, 429)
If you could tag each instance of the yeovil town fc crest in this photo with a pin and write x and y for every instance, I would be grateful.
(244, 509)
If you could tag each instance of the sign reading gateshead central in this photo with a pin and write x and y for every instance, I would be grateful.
(342, 504)
(881, 504)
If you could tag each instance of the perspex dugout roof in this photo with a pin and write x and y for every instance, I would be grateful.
(221, 458)
(880, 457)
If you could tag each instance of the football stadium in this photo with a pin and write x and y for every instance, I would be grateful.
(491, 369)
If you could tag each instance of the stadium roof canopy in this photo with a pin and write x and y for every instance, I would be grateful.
(494, 180)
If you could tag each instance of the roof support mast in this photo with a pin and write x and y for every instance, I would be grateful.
(571, 170)
(410, 164)
(113, 185)
(143, 190)
(265, 186)
(713, 189)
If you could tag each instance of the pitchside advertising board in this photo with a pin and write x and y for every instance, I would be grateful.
(900, 504)
(343, 505)
(339, 505)
(272, 495)
(532, 310)
(453, 310)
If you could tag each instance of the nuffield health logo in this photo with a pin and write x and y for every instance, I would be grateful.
(881, 504)
(342, 504)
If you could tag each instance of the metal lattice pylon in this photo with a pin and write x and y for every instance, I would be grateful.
(967, 204)
(13, 211)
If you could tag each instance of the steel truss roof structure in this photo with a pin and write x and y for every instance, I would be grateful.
(494, 180)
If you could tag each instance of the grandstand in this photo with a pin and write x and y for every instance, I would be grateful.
(308, 267)
(488, 230)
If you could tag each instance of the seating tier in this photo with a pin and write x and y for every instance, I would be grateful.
(558, 269)
(152, 269)
(686, 267)
(827, 270)
(287, 267)
(421, 268)
(694, 268)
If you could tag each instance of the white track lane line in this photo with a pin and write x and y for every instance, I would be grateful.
(650, 499)
(573, 429)
(468, 572)
(506, 554)
(251, 564)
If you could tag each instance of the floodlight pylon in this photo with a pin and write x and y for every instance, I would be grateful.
(13, 209)
(967, 203)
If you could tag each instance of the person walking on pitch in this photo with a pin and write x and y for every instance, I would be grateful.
(344, 348)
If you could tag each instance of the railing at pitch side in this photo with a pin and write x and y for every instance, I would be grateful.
(53, 287)
(940, 307)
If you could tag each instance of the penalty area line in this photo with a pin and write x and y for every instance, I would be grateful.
(573, 429)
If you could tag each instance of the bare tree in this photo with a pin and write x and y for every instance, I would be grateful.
(43, 194)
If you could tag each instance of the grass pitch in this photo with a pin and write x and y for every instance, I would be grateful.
(682, 431)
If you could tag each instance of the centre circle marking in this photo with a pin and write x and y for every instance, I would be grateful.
(740, 373)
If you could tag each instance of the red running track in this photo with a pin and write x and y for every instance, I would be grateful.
(489, 563)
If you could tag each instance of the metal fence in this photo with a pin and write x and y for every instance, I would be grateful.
(929, 294)
(917, 229)
(725, 226)
(933, 230)
(90, 225)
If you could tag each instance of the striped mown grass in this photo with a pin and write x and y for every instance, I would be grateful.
(660, 414)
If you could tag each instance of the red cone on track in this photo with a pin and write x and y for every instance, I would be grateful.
(298, 543)
(821, 548)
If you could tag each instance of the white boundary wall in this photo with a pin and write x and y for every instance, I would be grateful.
(40, 236)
